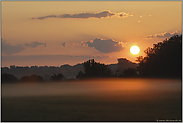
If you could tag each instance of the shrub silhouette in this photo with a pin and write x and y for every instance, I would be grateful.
(57, 77)
(8, 78)
(32, 78)
(94, 69)
(163, 60)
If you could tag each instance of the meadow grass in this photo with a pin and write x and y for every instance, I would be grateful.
(137, 100)
(76, 108)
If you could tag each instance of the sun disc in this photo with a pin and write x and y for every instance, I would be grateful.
(134, 50)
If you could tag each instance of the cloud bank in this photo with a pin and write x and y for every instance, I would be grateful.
(9, 49)
(84, 15)
(34, 44)
(105, 46)
(162, 35)
(166, 34)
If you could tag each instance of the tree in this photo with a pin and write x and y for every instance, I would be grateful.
(94, 69)
(32, 78)
(8, 78)
(130, 72)
(57, 77)
(80, 75)
(163, 60)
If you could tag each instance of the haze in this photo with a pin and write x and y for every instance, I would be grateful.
(108, 88)
(69, 32)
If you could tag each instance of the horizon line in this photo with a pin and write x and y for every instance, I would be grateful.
(68, 64)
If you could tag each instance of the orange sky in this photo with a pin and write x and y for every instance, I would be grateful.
(68, 32)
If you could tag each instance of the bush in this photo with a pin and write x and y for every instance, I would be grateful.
(32, 78)
(8, 78)
(57, 77)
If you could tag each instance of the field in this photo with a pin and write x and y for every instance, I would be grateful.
(93, 100)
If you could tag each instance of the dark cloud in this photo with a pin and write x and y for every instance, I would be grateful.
(49, 16)
(166, 34)
(9, 49)
(80, 15)
(105, 46)
(162, 35)
(34, 44)
(63, 44)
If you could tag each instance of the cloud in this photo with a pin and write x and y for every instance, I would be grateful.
(105, 46)
(64, 44)
(124, 14)
(166, 34)
(49, 16)
(34, 44)
(149, 37)
(9, 49)
(83, 15)
(162, 35)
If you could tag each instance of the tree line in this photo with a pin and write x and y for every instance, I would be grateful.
(164, 59)
(9, 78)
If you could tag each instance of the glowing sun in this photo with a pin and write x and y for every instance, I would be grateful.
(134, 50)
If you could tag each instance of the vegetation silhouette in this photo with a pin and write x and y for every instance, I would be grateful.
(8, 78)
(32, 78)
(44, 71)
(57, 77)
(68, 71)
(94, 69)
(80, 75)
(163, 60)
(130, 72)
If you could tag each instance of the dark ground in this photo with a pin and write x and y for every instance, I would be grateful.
(134, 104)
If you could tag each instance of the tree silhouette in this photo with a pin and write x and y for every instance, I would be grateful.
(130, 72)
(94, 69)
(80, 75)
(57, 77)
(163, 60)
(32, 78)
(8, 78)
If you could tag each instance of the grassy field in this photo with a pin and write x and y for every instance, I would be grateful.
(139, 105)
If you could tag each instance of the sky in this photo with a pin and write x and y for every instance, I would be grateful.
(71, 32)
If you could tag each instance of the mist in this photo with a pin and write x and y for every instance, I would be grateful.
(107, 88)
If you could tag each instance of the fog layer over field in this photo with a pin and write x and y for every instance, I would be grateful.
(107, 88)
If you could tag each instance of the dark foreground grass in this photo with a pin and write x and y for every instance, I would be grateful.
(85, 108)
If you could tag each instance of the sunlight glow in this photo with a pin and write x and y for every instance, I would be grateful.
(134, 49)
